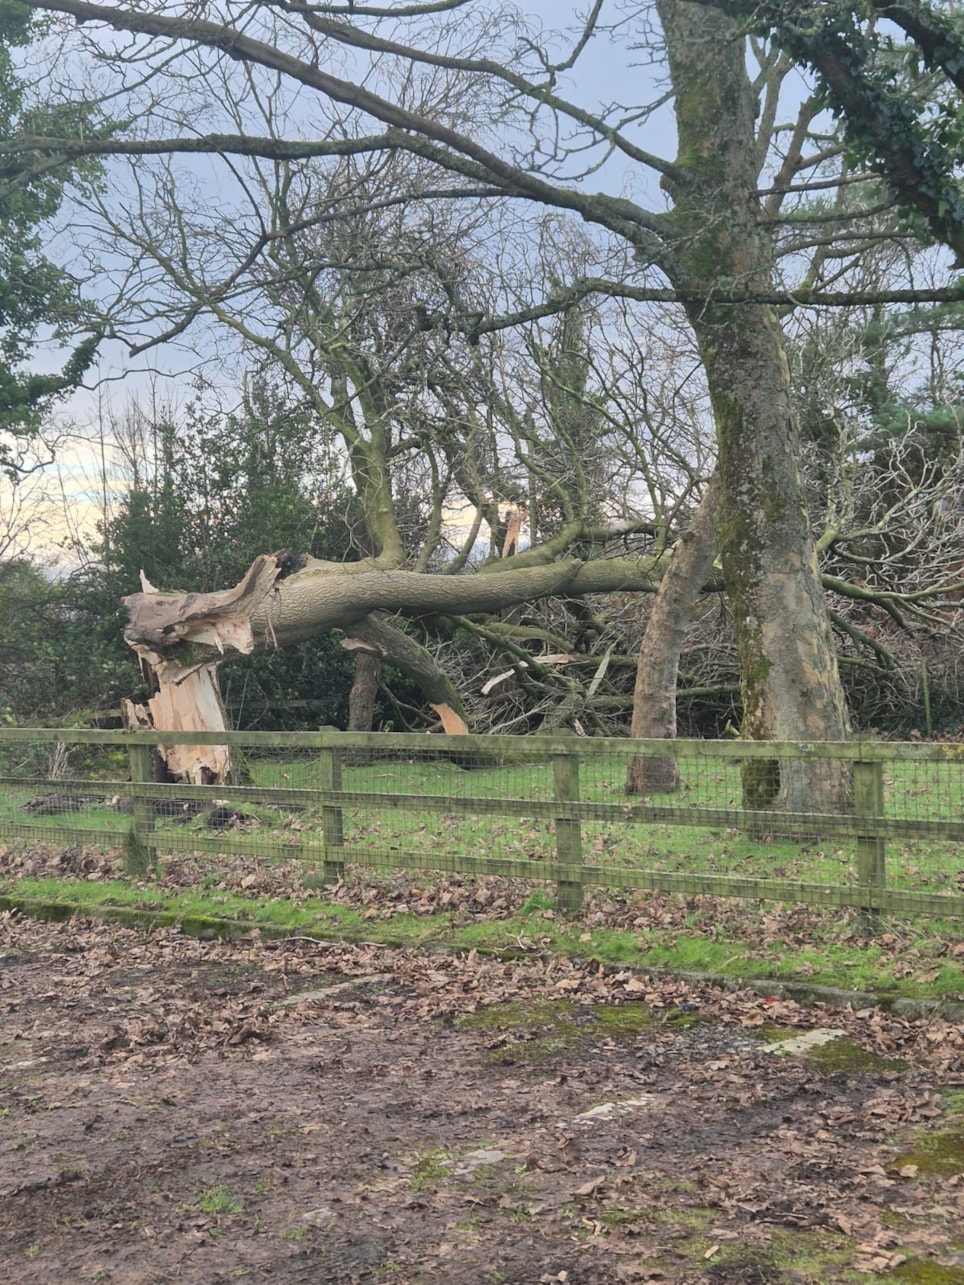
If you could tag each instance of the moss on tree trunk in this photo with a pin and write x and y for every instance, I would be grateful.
(790, 682)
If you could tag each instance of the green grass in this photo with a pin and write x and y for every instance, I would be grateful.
(430, 1168)
(218, 1200)
(699, 944)
(913, 790)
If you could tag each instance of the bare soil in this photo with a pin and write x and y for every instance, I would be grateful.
(204, 1111)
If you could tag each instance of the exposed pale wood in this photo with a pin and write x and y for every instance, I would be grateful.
(186, 701)
(560, 658)
(159, 622)
(788, 661)
(453, 724)
(514, 519)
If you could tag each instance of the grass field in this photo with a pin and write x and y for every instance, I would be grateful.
(426, 814)
(914, 791)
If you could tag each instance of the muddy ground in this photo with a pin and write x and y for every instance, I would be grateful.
(201, 1111)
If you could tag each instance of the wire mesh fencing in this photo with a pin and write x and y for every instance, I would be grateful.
(869, 824)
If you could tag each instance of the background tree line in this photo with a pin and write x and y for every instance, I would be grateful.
(421, 269)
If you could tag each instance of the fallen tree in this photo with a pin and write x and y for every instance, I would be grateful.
(182, 639)
(283, 599)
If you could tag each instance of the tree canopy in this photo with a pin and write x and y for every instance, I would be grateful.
(894, 73)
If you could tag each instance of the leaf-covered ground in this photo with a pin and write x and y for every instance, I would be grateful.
(807, 946)
(175, 1109)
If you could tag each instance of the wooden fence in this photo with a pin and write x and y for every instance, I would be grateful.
(464, 804)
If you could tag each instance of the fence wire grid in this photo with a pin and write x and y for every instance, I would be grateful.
(886, 836)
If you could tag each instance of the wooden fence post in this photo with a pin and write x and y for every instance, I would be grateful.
(139, 853)
(331, 817)
(565, 771)
(871, 857)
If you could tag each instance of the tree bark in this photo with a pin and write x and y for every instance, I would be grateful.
(388, 641)
(364, 691)
(657, 669)
(790, 682)
(283, 599)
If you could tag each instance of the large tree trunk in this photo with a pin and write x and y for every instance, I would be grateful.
(657, 669)
(789, 678)
(285, 599)
(790, 682)
(185, 702)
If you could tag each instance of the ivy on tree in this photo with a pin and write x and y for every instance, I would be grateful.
(901, 101)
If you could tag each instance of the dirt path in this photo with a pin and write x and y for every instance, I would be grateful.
(177, 1110)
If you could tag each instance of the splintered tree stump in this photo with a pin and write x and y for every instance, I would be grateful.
(162, 629)
(192, 703)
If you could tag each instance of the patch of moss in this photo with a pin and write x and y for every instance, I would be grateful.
(693, 1218)
(940, 1153)
(924, 1271)
(535, 1031)
(614, 1216)
(538, 1030)
(845, 1055)
(839, 1054)
(627, 1020)
(790, 1253)
(430, 1169)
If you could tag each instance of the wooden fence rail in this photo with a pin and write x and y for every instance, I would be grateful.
(336, 793)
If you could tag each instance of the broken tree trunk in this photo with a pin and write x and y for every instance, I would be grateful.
(284, 599)
(189, 702)
(188, 697)
(182, 638)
